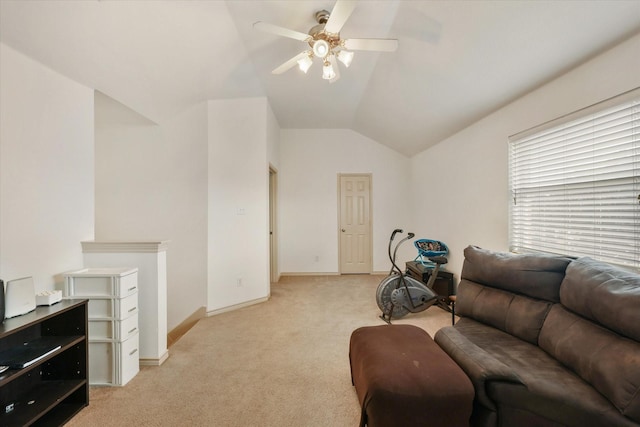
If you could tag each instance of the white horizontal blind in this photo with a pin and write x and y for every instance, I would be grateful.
(576, 186)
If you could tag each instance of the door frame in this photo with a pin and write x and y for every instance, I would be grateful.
(274, 273)
(370, 177)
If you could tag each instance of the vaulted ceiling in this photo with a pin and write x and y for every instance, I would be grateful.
(457, 61)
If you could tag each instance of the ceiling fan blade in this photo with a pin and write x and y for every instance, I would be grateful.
(281, 31)
(339, 15)
(380, 45)
(290, 63)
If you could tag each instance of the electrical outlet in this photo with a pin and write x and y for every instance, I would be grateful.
(239, 282)
(317, 258)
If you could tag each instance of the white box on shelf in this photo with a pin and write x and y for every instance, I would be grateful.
(48, 297)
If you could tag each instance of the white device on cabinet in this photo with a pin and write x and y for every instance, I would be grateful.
(20, 297)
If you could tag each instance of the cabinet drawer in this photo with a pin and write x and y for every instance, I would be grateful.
(102, 367)
(118, 330)
(101, 283)
(113, 362)
(112, 308)
(130, 359)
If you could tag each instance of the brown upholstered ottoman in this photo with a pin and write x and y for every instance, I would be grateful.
(403, 378)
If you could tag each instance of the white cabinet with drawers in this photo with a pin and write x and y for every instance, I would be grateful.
(113, 321)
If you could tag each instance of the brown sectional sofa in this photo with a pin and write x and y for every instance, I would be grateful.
(547, 341)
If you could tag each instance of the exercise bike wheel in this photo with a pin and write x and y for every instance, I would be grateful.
(384, 297)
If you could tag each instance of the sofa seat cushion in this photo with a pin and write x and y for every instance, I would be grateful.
(507, 371)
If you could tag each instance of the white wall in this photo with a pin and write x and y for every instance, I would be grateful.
(185, 180)
(310, 163)
(470, 169)
(46, 171)
(186, 212)
(151, 184)
(238, 255)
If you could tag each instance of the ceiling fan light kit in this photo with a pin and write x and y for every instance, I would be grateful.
(321, 48)
(305, 62)
(325, 42)
(328, 73)
(345, 57)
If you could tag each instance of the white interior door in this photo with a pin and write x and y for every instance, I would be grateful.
(355, 224)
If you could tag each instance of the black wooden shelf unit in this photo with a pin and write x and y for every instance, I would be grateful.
(51, 390)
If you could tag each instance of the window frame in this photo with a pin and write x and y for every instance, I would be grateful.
(532, 219)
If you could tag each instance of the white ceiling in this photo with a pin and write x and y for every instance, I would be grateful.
(457, 61)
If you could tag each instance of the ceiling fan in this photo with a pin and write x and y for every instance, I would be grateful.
(325, 43)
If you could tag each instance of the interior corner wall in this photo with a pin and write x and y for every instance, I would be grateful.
(273, 138)
(473, 186)
(310, 161)
(238, 200)
(151, 184)
(46, 171)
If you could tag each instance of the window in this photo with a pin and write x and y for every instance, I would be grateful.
(575, 184)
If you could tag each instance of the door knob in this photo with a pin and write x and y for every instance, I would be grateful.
(343, 230)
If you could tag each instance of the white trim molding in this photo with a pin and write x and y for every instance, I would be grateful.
(154, 361)
(123, 246)
(237, 306)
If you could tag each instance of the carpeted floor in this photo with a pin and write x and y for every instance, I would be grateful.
(284, 362)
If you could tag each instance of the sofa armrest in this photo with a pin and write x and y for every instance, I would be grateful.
(480, 366)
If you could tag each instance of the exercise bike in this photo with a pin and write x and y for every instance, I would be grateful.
(399, 294)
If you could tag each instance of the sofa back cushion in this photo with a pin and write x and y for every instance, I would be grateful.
(605, 294)
(604, 359)
(534, 275)
(515, 314)
(510, 292)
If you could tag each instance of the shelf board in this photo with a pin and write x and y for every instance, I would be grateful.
(65, 343)
(43, 400)
(40, 314)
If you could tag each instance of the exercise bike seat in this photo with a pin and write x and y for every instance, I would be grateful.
(439, 260)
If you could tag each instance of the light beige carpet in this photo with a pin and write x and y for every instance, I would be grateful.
(284, 362)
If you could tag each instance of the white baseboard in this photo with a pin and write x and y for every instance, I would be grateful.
(154, 361)
(236, 306)
(323, 273)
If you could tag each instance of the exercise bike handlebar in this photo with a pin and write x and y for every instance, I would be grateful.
(410, 235)
(392, 257)
(396, 231)
(393, 235)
